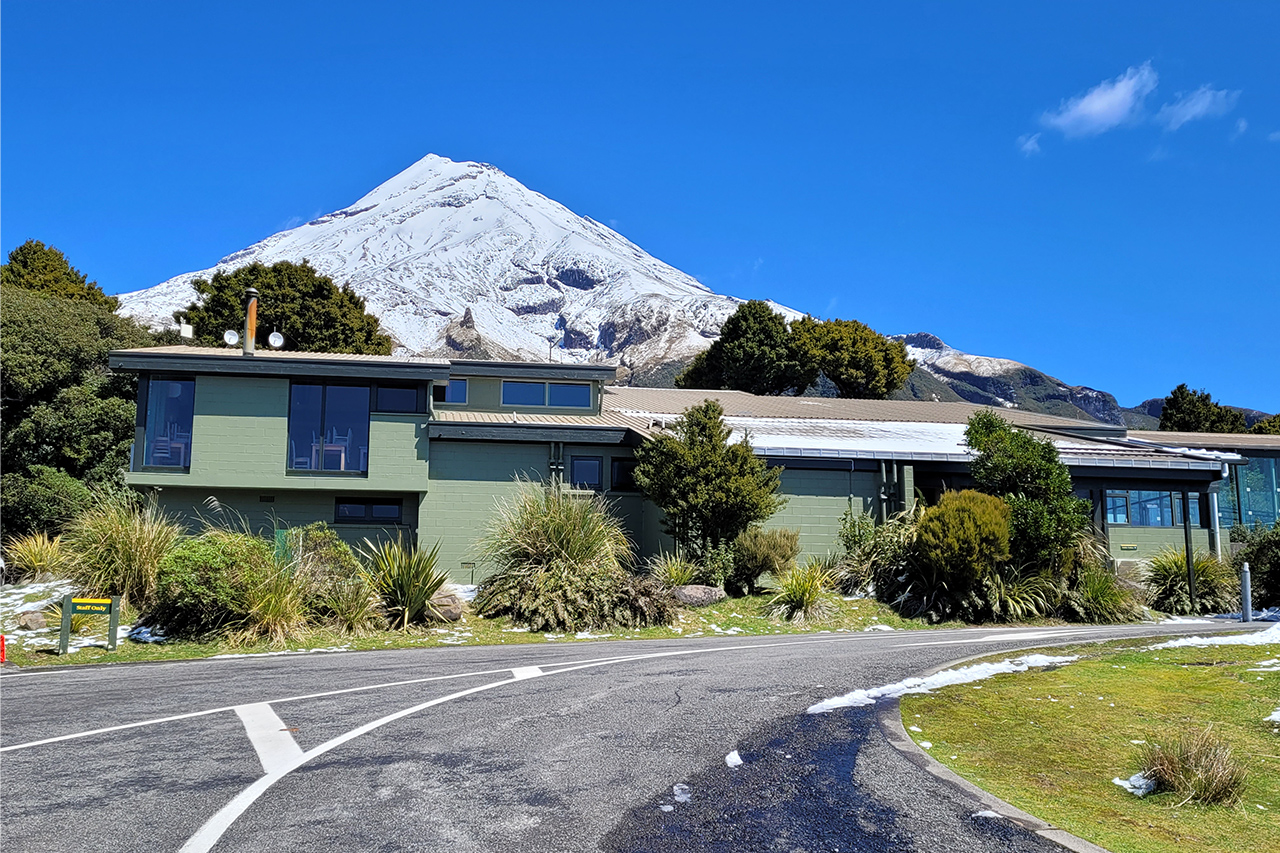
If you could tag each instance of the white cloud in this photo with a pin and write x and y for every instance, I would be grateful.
(1274, 136)
(1029, 143)
(1242, 125)
(1202, 103)
(1107, 105)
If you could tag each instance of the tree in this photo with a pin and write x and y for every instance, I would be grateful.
(857, 360)
(1195, 411)
(754, 353)
(1026, 471)
(709, 489)
(1267, 426)
(43, 269)
(313, 313)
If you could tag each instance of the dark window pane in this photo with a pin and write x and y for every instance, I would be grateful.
(386, 511)
(524, 393)
(577, 396)
(394, 399)
(346, 428)
(170, 412)
(453, 391)
(1193, 501)
(623, 475)
(585, 471)
(305, 427)
(350, 511)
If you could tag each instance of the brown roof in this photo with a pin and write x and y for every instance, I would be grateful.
(605, 419)
(1216, 440)
(674, 401)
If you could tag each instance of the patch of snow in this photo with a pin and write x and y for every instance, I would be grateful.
(587, 635)
(1272, 665)
(278, 654)
(926, 745)
(877, 628)
(464, 591)
(915, 728)
(1274, 718)
(1271, 614)
(1137, 784)
(1184, 620)
(988, 813)
(733, 759)
(961, 675)
(729, 632)
(681, 792)
(667, 808)
(1257, 638)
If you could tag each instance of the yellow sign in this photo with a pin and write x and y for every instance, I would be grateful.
(90, 605)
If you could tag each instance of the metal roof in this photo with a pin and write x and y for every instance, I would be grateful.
(1209, 440)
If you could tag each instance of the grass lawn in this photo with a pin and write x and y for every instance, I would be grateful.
(1050, 742)
(731, 617)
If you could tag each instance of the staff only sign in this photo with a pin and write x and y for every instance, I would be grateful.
(71, 606)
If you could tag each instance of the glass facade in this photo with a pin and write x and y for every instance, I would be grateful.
(1251, 495)
(171, 406)
(1150, 509)
(329, 428)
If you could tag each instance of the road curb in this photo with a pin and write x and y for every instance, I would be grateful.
(889, 718)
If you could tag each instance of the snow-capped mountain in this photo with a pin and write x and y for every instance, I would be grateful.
(461, 258)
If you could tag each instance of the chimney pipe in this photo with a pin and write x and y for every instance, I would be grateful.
(250, 319)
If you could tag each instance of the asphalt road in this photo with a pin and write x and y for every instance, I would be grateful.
(616, 746)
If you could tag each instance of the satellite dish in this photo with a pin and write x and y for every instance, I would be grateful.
(185, 330)
(276, 339)
(230, 338)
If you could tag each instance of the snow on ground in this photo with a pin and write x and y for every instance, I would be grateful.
(735, 760)
(1137, 784)
(277, 654)
(1258, 638)
(1271, 614)
(960, 675)
(1274, 718)
(464, 591)
(1184, 620)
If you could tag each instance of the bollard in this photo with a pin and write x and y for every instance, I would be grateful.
(1246, 595)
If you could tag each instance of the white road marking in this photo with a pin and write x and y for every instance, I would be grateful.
(520, 673)
(271, 738)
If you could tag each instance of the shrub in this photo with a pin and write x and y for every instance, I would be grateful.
(803, 593)
(560, 564)
(964, 537)
(118, 545)
(669, 571)
(756, 552)
(1199, 767)
(204, 584)
(276, 603)
(1165, 576)
(1097, 595)
(405, 578)
(886, 558)
(644, 602)
(716, 565)
(1006, 594)
(1262, 552)
(352, 604)
(44, 499)
(322, 551)
(857, 532)
(34, 557)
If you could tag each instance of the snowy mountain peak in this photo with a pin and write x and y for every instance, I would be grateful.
(444, 237)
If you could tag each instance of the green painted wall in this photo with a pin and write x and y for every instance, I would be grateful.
(817, 500)
(240, 438)
(466, 480)
(288, 509)
(1151, 540)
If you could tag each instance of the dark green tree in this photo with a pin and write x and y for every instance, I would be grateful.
(754, 353)
(44, 269)
(1195, 411)
(709, 489)
(860, 362)
(313, 313)
(1267, 426)
(1026, 471)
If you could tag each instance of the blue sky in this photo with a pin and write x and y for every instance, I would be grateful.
(1090, 188)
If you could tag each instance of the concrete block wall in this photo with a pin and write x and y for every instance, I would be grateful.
(816, 502)
(1148, 541)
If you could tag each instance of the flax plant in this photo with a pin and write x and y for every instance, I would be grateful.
(405, 578)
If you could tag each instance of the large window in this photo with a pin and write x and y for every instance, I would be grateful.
(1117, 507)
(329, 428)
(1150, 509)
(171, 407)
(563, 394)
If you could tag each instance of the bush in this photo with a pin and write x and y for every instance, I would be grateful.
(44, 500)
(34, 558)
(1262, 552)
(857, 533)
(1097, 595)
(964, 537)
(883, 562)
(716, 565)
(756, 552)
(644, 602)
(406, 579)
(1198, 767)
(1165, 576)
(322, 551)
(803, 593)
(670, 571)
(560, 565)
(204, 584)
(118, 545)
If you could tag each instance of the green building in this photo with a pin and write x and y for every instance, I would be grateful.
(422, 448)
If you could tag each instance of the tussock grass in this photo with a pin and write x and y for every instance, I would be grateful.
(1198, 766)
(1165, 576)
(352, 605)
(804, 593)
(669, 571)
(35, 557)
(117, 546)
(276, 605)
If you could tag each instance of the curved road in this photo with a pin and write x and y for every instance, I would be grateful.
(616, 746)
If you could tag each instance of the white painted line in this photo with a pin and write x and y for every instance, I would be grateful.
(271, 738)
(522, 672)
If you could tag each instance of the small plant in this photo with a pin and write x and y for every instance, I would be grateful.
(1097, 595)
(670, 571)
(276, 604)
(35, 557)
(1010, 596)
(757, 552)
(80, 622)
(352, 604)
(405, 578)
(803, 593)
(1197, 766)
(716, 565)
(118, 546)
(1165, 576)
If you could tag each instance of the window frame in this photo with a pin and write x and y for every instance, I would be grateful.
(368, 519)
(1106, 507)
(325, 385)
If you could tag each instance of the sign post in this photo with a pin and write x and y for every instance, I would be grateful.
(110, 607)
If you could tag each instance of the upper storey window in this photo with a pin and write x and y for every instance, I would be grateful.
(171, 405)
(453, 391)
(561, 394)
(329, 428)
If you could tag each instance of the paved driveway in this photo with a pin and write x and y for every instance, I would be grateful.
(617, 746)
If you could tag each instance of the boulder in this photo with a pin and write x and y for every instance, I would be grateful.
(448, 605)
(31, 620)
(697, 595)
